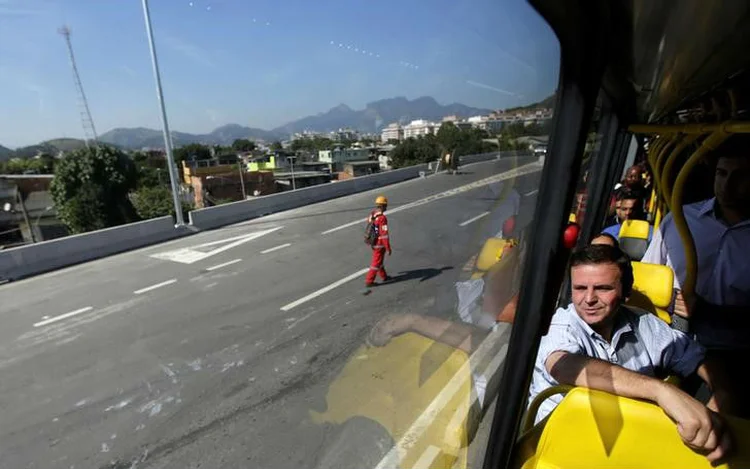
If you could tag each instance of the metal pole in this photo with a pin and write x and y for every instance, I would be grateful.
(165, 126)
(26, 216)
(294, 185)
(242, 180)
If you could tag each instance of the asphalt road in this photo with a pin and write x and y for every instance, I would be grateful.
(211, 350)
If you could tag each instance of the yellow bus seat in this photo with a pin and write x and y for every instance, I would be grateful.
(633, 238)
(385, 384)
(652, 289)
(491, 253)
(595, 429)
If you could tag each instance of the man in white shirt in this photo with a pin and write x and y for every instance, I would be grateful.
(598, 343)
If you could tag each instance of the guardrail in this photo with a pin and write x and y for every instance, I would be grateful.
(214, 217)
(33, 259)
(20, 262)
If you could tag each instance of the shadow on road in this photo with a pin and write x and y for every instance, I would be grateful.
(421, 274)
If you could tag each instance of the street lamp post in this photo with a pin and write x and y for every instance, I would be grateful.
(165, 126)
(39, 217)
(242, 180)
(291, 159)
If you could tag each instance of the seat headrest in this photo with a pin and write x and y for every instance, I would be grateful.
(655, 282)
(634, 229)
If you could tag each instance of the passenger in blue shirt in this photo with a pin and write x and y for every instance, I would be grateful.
(598, 343)
(627, 209)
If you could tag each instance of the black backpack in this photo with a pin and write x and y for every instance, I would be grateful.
(371, 231)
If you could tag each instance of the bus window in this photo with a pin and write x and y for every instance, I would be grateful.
(244, 146)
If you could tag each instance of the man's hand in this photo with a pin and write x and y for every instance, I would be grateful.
(682, 306)
(700, 428)
(389, 252)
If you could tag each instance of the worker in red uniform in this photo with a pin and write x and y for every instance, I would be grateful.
(382, 244)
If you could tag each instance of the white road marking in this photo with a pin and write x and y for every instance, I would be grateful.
(192, 254)
(472, 220)
(276, 248)
(531, 193)
(223, 265)
(63, 316)
(154, 287)
(426, 418)
(323, 290)
(347, 225)
(516, 172)
(428, 457)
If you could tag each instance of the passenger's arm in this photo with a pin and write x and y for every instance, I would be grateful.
(699, 428)
(458, 335)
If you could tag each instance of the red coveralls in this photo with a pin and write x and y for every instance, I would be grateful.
(382, 245)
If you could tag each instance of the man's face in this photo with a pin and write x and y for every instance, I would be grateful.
(732, 182)
(597, 293)
(633, 177)
(625, 209)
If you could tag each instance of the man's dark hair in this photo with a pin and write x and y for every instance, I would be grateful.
(595, 254)
(626, 194)
(607, 235)
(735, 146)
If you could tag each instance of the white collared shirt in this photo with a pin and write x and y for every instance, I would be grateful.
(641, 342)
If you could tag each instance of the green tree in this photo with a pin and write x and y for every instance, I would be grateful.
(276, 146)
(416, 151)
(154, 202)
(192, 151)
(151, 170)
(91, 186)
(243, 144)
(449, 136)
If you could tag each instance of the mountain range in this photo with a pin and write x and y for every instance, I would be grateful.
(371, 119)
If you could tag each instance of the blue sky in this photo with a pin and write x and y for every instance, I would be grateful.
(261, 63)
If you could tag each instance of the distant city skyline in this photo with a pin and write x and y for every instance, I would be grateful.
(229, 62)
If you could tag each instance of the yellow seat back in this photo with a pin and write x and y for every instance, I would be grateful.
(633, 238)
(386, 385)
(652, 289)
(594, 429)
(634, 229)
(491, 252)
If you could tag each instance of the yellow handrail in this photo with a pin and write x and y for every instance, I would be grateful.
(709, 144)
(653, 156)
(659, 214)
(530, 417)
(669, 164)
(732, 127)
(660, 157)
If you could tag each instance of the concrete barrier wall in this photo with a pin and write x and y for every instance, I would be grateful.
(17, 263)
(214, 217)
(37, 258)
(235, 212)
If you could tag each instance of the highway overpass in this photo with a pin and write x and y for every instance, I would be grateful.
(211, 350)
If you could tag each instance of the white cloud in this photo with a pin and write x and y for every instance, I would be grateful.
(492, 88)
